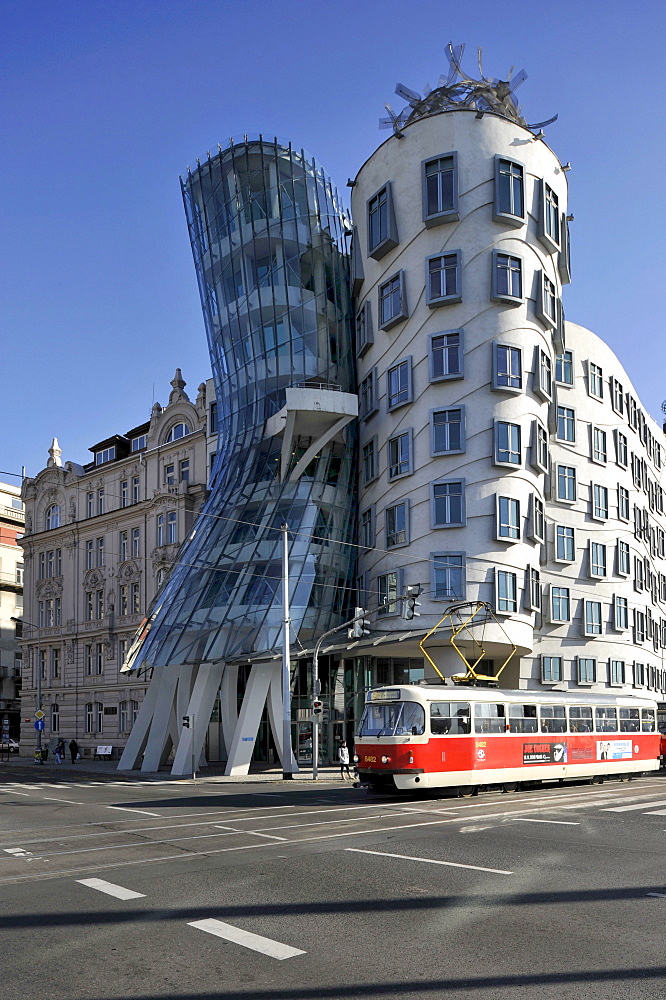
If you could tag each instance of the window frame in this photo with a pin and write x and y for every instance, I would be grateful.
(552, 242)
(512, 521)
(374, 445)
(507, 297)
(623, 549)
(382, 296)
(450, 298)
(566, 499)
(539, 447)
(499, 215)
(550, 322)
(514, 600)
(545, 392)
(566, 418)
(434, 557)
(364, 333)
(569, 363)
(386, 240)
(547, 673)
(434, 451)
(598, 455)
(563, 598)
(565, 546)
(448, 214)
(513, 350)
(434, 524)
(496, 445)
(367, 533)
(368, 401)
(620, 620)
(432, 377)
(586, 679)
(596, 508)
(598, 567)
(594, 379)
(537, 518)
(406, 530)
(403, 365)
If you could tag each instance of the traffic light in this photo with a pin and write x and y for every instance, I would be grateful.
(186, 721)
(360, 624)
(317, 709)
(409, 602)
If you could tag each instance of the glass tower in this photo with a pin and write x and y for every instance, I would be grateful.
(267, 234)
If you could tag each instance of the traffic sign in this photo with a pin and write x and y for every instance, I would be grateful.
(39, 725)
(39, 714)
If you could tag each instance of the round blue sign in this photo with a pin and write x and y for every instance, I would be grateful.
(39, 725)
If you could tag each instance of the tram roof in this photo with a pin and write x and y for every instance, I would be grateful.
(461, 692)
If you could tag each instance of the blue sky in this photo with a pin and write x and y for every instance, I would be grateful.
(106, 102)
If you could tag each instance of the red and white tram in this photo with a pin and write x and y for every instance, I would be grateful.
(432, 736)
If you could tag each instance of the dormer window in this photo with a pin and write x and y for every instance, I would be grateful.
(139, 443)
(107, 455)
(177, 431)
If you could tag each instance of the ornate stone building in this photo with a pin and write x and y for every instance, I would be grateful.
(100, 539)
(11, 606)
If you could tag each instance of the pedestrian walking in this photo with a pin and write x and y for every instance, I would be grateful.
(73, 749)
(343, 757)
(59, 751)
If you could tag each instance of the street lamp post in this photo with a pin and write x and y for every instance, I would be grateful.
(38, 750)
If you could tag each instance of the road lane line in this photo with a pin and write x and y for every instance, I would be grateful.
(110, 888)
(32, 788)
(10, 791)
(274, 949)
(270, 836)
(429, 861)
(557, 822)
(128, 809)
(70, 802)
(635, 806)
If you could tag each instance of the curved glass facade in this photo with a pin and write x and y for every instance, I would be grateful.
(267, 235)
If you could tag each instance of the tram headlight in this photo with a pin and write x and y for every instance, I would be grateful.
(410, 759)
(356, 758)
(386, 760)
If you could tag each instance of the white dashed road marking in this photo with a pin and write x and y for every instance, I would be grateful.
(127, 809)
(274, 949)
(110, 888)
(557, 822)
(429, 861)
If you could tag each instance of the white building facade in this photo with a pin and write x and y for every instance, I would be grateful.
(504, 454)
(12, 518)
(100, 540)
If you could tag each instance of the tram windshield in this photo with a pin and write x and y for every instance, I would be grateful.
(397, 719)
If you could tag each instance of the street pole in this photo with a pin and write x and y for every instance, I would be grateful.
(194, 758)
(287, 774)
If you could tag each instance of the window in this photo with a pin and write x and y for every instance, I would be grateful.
(170, 474)
(617, 396)
(399, 384)
(617, 671)
(368, 461)
(446, 355)
(443, 279)
(159, 540)
(599, 450)
(448, 504)
(364, 334)
(136, 598)
(543, 376)
(639, 576)
(565, 543)
(100, 551)
(124, 546)
(178, 431)
(55, 663)
(99, 604)
(595, 380)
(107, 455)
(566, 424)
(447, 431)
(90, 718)
(368, 528)
(172, 527)
(397, 525)
(620, 613)
(382, 229)
(212, 419)
(449, 717)
(509, 192)
(387, 593)
(122, 717)
(551, 673)
(99, 716)
(184, 470)
(623, 559)
(99, 658)
(564, 368)
(506, 592)
(52, 517)
(18, 577)
(139, 443)
(549, 222)
(90, 504)
(539, 457)
(547, 301)
(621, 450)
(560, 610)
(507, 367)
(55, 718)
(123, 592)
(598, 562)
(507, 279)
(136, 489)
(368, 394)
(440, 189)
(593, 625)
(392, 305)
(399, 455)
(100, 500)
(508, 519)
(606, 718)
(623, 503)
(566, 483)
(553, 717)
(136, 543)
(534, 588)
(587, 674)
(124, 493)
(448, 571)
(538, 521)
(507, 443)
(599, 502)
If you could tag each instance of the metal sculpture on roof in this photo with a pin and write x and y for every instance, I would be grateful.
(457, 92)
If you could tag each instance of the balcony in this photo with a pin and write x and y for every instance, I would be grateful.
(317, 411)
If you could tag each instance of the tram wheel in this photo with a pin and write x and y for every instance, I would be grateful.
(467, 791)
(511, 786)
(597, 779)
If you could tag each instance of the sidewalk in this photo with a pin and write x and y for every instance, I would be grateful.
(213, 772)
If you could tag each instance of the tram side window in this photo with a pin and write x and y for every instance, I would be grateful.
(412, 719)
(606, 720)
(630, 720)
(553, 719)
(580, 719)
(451, 717)
(647, 720)
(522, 718)
(489, 719)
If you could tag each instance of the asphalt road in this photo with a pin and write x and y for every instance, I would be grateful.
(148, 890)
